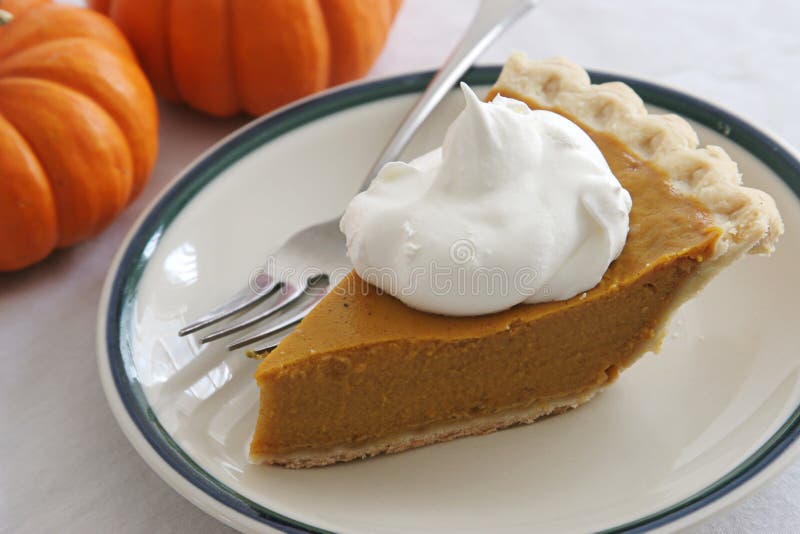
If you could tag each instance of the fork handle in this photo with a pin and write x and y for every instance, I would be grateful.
(491, 19)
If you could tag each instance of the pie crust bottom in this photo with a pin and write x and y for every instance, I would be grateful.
(436, 433)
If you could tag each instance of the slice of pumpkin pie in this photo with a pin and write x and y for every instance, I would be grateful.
(376, 369)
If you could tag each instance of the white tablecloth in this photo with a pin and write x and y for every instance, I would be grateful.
(64, 463)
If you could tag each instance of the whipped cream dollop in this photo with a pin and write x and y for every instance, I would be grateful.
(516, 206)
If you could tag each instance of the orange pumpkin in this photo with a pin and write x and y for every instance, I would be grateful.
(78, 127)
(225, 56)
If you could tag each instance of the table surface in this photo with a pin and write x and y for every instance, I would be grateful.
(66, 465)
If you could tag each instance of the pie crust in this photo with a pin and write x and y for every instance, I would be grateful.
(748, 218)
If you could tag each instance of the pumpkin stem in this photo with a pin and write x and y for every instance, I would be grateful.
(5, 17)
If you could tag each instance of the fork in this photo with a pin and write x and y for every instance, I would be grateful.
(301, 272)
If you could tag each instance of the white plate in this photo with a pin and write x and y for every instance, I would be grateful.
(681, 435)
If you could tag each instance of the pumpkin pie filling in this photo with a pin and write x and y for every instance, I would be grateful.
(363, 370)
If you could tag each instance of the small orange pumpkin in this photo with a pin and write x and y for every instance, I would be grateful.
(225, 56)
(78, 127)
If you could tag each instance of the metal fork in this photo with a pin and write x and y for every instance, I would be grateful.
(299, 274)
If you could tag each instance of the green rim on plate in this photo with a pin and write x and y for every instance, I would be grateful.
(147, 236)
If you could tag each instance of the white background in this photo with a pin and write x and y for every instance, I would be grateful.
(65, 465)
